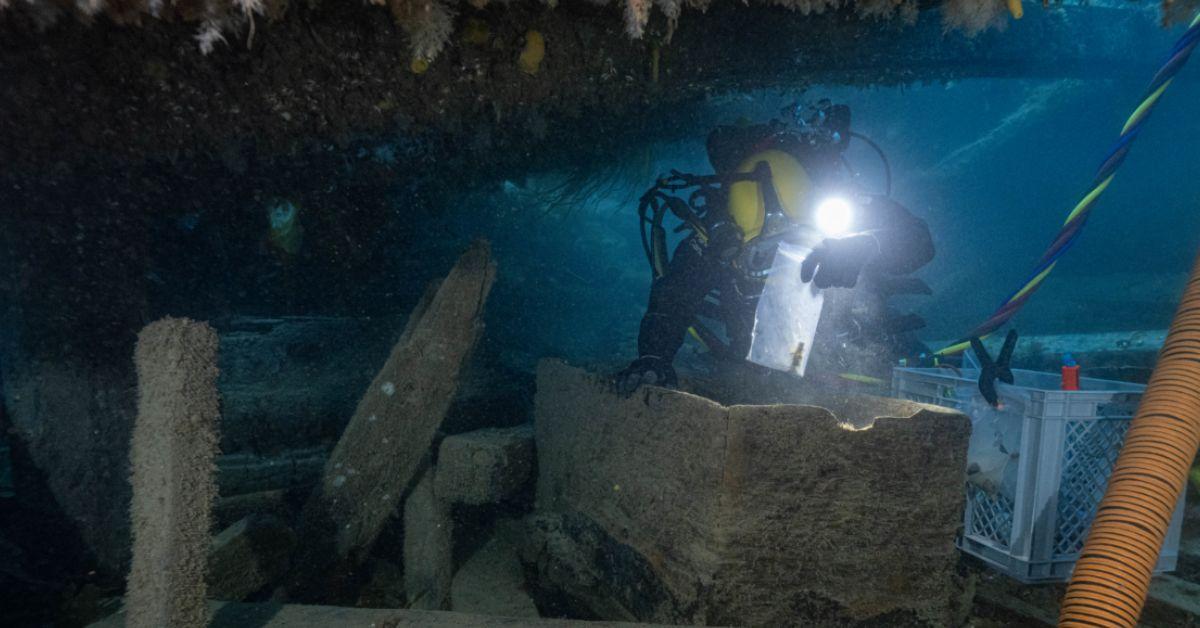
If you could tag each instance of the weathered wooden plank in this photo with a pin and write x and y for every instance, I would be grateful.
(485, 466)
(230, 510)
(428, 547)
(237, 615)
(492, 582)
(670, 507)
(388, 440)
(240, 474)
(248, 556)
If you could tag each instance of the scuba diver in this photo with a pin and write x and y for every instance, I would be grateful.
(775, 184)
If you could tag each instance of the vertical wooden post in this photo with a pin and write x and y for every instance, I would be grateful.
(173, 473)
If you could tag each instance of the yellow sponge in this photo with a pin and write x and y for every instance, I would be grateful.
(532, 54)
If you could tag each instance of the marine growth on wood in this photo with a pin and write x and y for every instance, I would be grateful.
(429, 25)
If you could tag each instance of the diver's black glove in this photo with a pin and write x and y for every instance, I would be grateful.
(649, 370)
(837, 262)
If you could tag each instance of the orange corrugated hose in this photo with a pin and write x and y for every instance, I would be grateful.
(1112, 577)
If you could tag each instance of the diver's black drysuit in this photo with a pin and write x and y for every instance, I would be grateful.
(888, 241)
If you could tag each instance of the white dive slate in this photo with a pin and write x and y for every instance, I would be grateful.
(785, 323)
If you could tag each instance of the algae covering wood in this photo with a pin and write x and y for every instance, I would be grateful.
(173, 473)
(748, 515)
(815, 510)
(428, 547)
(647, 468)
(389, 437)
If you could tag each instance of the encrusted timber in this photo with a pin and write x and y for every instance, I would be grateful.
(742, 514)
(387, 443)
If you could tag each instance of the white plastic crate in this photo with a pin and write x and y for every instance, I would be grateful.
(1056, 449)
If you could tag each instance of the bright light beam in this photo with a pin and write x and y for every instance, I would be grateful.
(834, 217)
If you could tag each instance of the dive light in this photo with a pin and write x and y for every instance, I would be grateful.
(834, 217)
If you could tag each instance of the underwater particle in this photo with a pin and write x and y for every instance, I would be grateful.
(339, 481)
(286, 234)
(616, 487)
(388, 388)
(476, 32)
(1015, 8)
(371, 418)
(532, 54)
(419, 65)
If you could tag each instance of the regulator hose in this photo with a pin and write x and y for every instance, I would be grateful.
(1112, 577)
(887, 165)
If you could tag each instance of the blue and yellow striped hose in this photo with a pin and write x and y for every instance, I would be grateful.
(1078, 217)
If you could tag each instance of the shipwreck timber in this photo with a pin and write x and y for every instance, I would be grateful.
(668, 507)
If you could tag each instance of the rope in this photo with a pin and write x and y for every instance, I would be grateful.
(1073, 227)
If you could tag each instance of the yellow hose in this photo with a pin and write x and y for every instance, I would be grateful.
(1112, 577)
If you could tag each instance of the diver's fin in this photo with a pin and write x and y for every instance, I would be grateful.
(987, 387)
(1000, 369)
(985, 359)
(1004, 361)
(987, 373)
